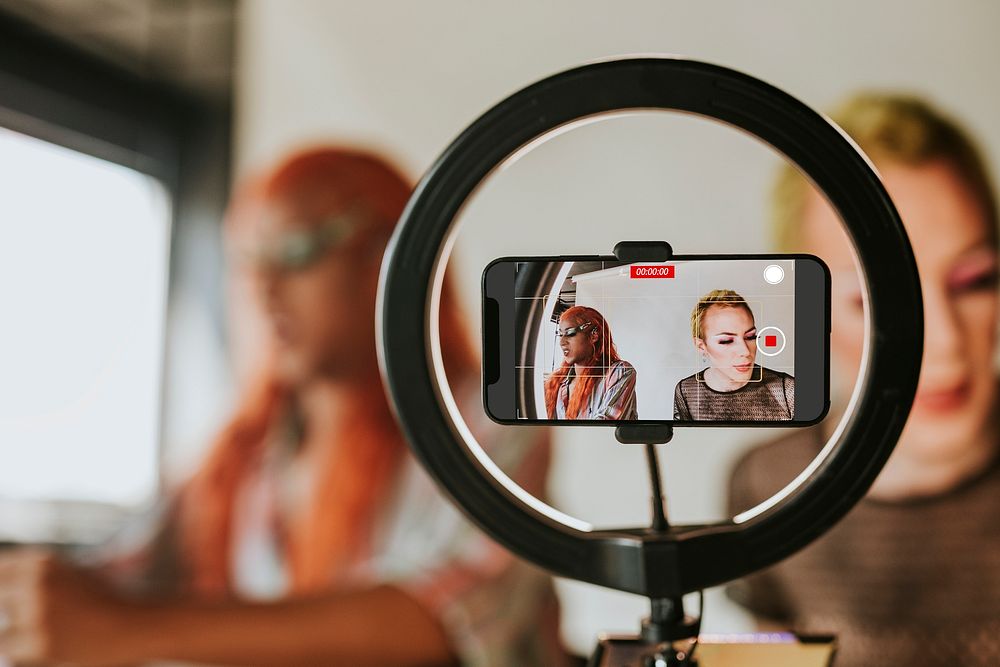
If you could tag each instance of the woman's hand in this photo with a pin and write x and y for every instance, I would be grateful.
(53, 612)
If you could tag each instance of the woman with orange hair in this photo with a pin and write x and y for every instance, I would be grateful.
(593, 382)
(308, 536)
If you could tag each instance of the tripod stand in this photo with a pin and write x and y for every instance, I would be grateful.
(668, 637)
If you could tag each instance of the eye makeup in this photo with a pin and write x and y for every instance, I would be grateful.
(975, 272)
(731, 338)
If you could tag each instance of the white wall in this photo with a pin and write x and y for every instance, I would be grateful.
(407, 77)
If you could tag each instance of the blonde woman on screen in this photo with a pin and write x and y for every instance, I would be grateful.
(732, 387)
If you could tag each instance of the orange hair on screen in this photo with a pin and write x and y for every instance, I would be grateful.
(360, 464)
(605, 354)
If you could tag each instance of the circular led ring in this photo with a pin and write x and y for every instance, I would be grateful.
(687, 558)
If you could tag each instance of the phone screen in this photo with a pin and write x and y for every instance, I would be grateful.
(739, 340)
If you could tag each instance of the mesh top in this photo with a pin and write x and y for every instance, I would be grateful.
(769, 396)
(900, 583)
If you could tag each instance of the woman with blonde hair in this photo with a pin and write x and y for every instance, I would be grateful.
(910, 576)
(733, 387)
(308, 536)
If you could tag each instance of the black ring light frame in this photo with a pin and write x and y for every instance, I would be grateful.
(681, 559)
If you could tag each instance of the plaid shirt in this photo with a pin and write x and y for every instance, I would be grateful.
(612, 398)
(497, 610)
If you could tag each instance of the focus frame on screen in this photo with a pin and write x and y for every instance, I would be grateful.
(523, 299)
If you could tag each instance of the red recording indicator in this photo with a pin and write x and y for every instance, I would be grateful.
(656, 271)
(770, 340)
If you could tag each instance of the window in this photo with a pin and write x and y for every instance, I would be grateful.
(84, 250)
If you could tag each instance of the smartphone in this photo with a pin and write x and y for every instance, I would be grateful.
(738, 340)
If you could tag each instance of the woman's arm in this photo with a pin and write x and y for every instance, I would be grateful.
(374, 626)
(59, 613)
(619, 397)
(681, 410)
(789, 386)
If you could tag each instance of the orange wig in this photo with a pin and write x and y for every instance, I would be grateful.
(605, 354)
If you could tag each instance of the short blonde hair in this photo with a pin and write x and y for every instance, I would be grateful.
(723, 298)
(896, 128)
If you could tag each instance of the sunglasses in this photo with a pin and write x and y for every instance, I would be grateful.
(291, 251)
(572, 331)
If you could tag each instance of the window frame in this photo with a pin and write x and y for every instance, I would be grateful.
(58, 93)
